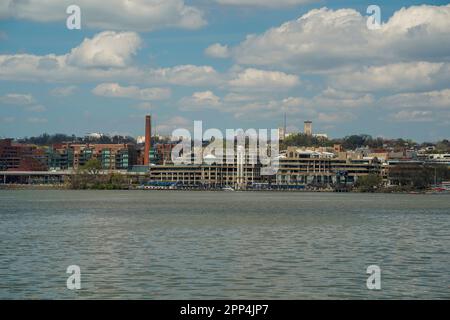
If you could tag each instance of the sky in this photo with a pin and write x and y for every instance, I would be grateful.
(229, 63)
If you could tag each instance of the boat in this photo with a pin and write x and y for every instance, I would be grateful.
(227, 189)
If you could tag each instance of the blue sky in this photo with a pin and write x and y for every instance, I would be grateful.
(228, 63)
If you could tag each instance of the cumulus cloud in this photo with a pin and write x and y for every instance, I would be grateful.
(200, 101)
(263, 3)
(63, 91)
(335, 117)
(325, 39)
(217, 51)
(397, 77)
(19, 99)
(138, 15)
(23, 101)
(244, 107)
(439, 99)
(114, 90)
(53, 68)
(36, 108)
(104, 57)
(338, 99)
(106, 54)
(412, 116)
(106, 49)
(168, 126)
(270, 109)
(262, 80)
(332, 102)
(27, 67)
(185, 75)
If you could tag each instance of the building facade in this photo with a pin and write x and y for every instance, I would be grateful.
(21, 157)
(71, 156)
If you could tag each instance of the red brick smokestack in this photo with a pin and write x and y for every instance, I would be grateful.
(148, 137)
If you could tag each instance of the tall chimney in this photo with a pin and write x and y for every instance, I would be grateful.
(148, 141)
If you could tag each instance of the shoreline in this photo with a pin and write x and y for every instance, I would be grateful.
(68, 188)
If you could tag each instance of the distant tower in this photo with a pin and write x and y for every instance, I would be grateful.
(308, 128)
(240, 181)
(148, 139)
(282, 130)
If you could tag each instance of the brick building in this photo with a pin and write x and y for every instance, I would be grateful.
(21, 157)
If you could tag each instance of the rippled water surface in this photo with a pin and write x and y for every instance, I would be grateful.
(229, 245)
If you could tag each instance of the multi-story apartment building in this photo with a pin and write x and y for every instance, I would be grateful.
(21, 157)
(296, 167)
(299, 166)
(70, 156)
(215, 175)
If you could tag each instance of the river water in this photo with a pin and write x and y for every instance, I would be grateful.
(223, 245)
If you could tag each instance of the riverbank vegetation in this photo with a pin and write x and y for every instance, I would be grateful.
(88, 177)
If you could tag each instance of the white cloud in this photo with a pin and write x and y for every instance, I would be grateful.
(63, 91)
(338, 99)
(270, 109)
(200, 101)
(262, 80)
(17, 99)
(171, 124)
(325, 39)
(138, 15)
(52, 68)
(335, 117)
(263, 3)
(242, 106)
(24, 101)
(36, 108)
(105, 49)
(104, 57)
(35, 120)
(439, 99)
(114, 90)
(241, 97)
(396, 77)
(217, 51)
(336, 103)
(190, 75)
(412, 116)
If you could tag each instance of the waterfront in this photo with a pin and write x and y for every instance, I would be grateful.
(212, 245)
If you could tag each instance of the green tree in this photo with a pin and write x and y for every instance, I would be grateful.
(303, 140)
(369, 183)
(92, 167)
(87, 176)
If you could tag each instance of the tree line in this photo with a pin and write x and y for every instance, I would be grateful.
(362, 140)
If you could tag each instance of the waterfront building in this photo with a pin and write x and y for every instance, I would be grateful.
(21, 157)
(71, 156)
(307, 167)
(209, 174)
(436, 158)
